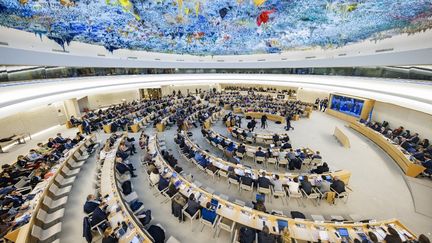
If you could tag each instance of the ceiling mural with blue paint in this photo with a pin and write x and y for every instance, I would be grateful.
(217, 27)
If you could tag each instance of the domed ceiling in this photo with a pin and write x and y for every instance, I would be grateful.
(217, 27)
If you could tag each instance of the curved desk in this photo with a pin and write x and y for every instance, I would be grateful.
(298, 229)
(23, 234)
(109, 187)
(393, 150)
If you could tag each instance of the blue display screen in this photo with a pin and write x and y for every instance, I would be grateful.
(347, 105)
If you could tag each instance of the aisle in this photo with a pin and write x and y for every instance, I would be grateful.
(161, 213)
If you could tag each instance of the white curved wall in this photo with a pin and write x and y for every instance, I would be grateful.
(23, 48)
(20, 96)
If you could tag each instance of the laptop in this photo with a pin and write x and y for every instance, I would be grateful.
(282, 224)
(343, 232)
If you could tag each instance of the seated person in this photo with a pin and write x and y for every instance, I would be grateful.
(231, 147)
(291, 155)
(259, 205)
(338, 185)
(321, 169)
(69, 145)
(163, 183)
(286, 145)
(91, 204)
(246, 180)
(232, 174)
(122, 167)
(60, 139)
(208, 213)
(192, 205)
(263, 181)
(99, 214)
(33, 155)
(293, 185)
(275, 138)
(154, 176)
(260, 153)
(277, 184)
(324, 184)
(306, 186)
(157, 233)
(265, 237)
(241, 149)
(427, 163)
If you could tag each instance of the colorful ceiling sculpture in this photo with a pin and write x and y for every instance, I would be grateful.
(218, 27)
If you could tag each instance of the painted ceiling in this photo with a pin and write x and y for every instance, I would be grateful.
(218, 27)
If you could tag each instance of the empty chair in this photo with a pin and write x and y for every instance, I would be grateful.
(281, 195)
(250, 154)
(296, 195)
(259, 159)
(49, 219)
(273, 161)
(46, 235)
(59, 192)
(73, 164)
(265, 191)
(54, 205)
(131, 197)
(317, 217)
(314, 196)
(211, 173)
(172, 240)
(222, 173)
(68, 172)
(225, 224)
(283, 161)
(247, 188)
(63, 182)
(234, 182)
(240, 155)
(191, 217)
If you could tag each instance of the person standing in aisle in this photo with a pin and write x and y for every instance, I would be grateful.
(263, 121)
(288, 123)
(253, 124)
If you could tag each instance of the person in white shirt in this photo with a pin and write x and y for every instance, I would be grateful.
(154, 176)
(293, 186)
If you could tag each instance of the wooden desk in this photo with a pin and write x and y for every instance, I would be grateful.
(393, 150)
(109, 187)
(298, 229)
(271, 117)
(19, 139)
(341, 137)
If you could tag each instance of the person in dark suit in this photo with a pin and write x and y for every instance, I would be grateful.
(246, 180)
(241, 149)
(265, 237)
(193, 206)
(392, 236)
(306, 185)
(263, 181)
(157, 233)
(321, 169)
(338, 185)
(91, 204)
(260, 153)
(263, 121)
(99, 215)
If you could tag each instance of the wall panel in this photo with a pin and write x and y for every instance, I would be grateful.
(415, 121)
